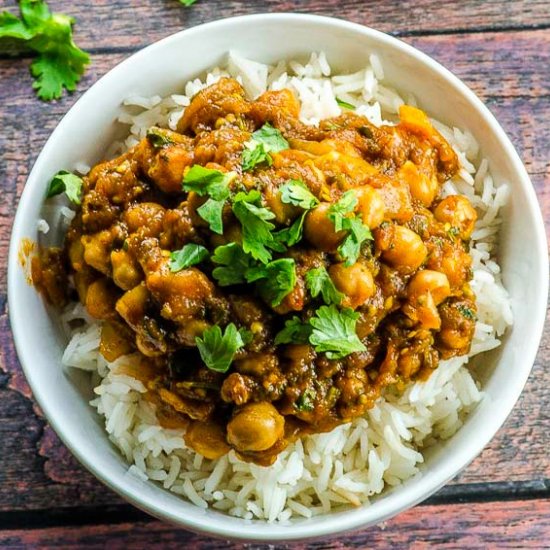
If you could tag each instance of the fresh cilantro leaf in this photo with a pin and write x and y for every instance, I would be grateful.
(289, 236)
(294, 332)
(345, 104)
(60, 63)
(306, 401)
(234, 263)
(158, 138)
(274, 280)
(187, 2)
(263, 141)
(212, 213)
(205, 181)
(297, 193)
(216, 349)
(66, 182)
(334, 332)
(253, 154)
(246, 336)
(318, 281)
(13, 27)
(341, 208)
(358, 233)
(257, 236)
(190, 254)
(271, 138)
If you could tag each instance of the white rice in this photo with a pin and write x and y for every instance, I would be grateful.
(355, 461)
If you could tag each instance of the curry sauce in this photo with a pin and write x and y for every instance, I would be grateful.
(325, 255)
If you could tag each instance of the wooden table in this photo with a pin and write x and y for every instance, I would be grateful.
(501, 49)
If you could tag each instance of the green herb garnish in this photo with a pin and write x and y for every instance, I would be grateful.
(345, 104)
(334, 332)
(274, 280)
(68, 183)
(358, 234)
(341, 214)
(318, 281)
(338, 211)
(216, 349)
(257, 236)
(306, 401)
(212, 213)
(263, 141)
(467, 312)
(158, 138)
(297, 193)
(187, 2)
(289, 236)
(59, 63)
(294, 332)
(234, 264)
(190, 254)
(215, 184)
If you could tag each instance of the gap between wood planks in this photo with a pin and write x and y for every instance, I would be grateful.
(112, 515)
(398, 34)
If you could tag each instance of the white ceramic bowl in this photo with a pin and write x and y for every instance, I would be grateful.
(163, 68)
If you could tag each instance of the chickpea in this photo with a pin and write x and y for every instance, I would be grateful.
(431, 282)
(319, 229)
(97, 250)
(423, 188)
(458, 212)
(255, 427)
(207, 439)
(355, 281)
(126, 272)
(76, 254)
(284, 213)
(101, 299)
(401, 247)
(145, 216)
(370, 206)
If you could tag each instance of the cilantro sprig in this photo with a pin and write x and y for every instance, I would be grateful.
(334, 332)
(60, 63)
(294, 332)
(331, 331)
(318, 282)
(218, 349)
(215, 184)
(275, 280)
(263, 141)
(233, 264)
(68, 183)
(341, 215)
(191, 254)
(296, 192)
(258, 239)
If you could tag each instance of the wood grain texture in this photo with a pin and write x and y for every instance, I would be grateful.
(108, 24)
(509, 70)
(518, 524)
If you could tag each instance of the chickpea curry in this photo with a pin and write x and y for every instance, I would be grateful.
(272, 277)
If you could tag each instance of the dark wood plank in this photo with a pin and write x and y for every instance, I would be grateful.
(120, 24)
(519, 524)
(508, 70)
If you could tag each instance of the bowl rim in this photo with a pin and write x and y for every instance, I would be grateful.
(332, 524)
